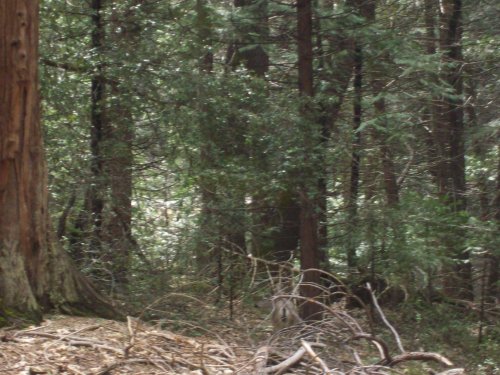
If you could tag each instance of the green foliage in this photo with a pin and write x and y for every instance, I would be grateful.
(215, 148)
(452, 329)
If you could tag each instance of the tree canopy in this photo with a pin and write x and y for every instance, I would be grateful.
(185, 139)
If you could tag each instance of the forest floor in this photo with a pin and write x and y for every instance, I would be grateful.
(76, 345)
(93, 346)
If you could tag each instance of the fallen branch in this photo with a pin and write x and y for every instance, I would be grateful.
(381, 345)
(296, 357)
(131, 336)
(453, 371)
(384, 319)
(420, 356)
(315, 357)
(73, 340)
(96, 346)
(260, 360)
(106, 370)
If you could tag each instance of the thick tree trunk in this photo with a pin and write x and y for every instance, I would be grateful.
(35, 274)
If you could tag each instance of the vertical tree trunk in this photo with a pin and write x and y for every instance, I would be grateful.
(309, 252)
(96, 188)
(208, 248)
(494, 279)
(118, 155)
(119, 159)
(284, 215)
(451, 141)
(352, 204)
(390, 180)
(337, 73)
(490, 267)
(23, 193)
(35, 274)
(435, 139)
(451, 45)
(86, 240)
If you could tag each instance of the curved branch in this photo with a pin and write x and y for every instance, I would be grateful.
(381, 346)
(420, 356)
(297, 356)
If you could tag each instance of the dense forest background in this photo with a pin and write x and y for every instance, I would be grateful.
(359, 137)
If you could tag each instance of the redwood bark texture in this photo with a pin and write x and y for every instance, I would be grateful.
(35, 274)
(23, 193)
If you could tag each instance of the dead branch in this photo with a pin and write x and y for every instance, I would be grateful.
(381, 345)
(420, 356)
(131, 336)
(95, 346)
(260, 360)
(287, 363)
(106, 370)
(73, 340)
(407, 167)
(315, 357)
(384, 319)
(453, 371)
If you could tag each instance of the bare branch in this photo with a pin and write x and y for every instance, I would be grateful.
(384, 319)
(420, 356)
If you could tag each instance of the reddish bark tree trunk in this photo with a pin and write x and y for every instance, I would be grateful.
(35, 274)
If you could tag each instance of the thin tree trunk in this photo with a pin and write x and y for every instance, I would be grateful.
(281, 211)
(209, 246)
(86, 240)
(309, 251)
(451, 124)
(119, 158)
(341, 47)
(494, 279)
(381, 135)
(390, 179)
(491, 266)
(96, 188)
(352, 204)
